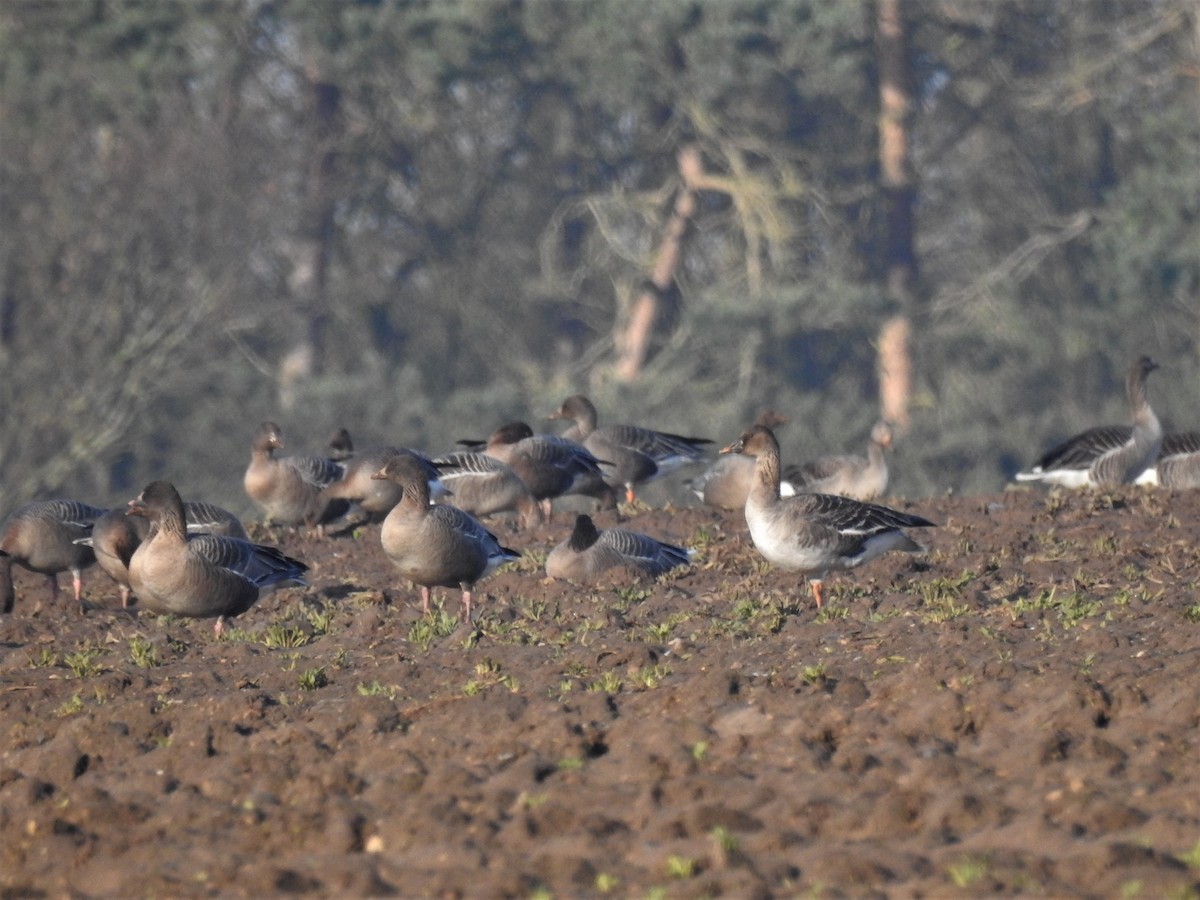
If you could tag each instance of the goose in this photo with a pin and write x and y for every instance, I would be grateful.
(41, 536)
(285, 487)
(198, 576)
(435, 546)
(588, 551)
(636, 455)
(551, 466)
(726, 482)
(483, 485)
(115, 536)
(341, 445)
(1107, 455)
(815, 533)
(357, 496)
(859, 477)
(1178, 464)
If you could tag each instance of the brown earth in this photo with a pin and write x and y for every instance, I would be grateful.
(1014, 714)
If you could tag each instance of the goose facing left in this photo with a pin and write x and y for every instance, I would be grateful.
(815, 533)
(41, 536)
(116, 537)
(202, 576)
(436, 546)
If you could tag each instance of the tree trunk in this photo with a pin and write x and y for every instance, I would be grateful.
(899, 196)
(310, 265)
(633, 339)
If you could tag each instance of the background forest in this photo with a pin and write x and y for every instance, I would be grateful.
(421, 219)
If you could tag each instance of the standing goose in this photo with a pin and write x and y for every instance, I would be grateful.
(1108, 455)
(815, 533)
(482, 485)
(859, 477)
(199, 576)
(725, 484)
(360, 497)
(550, 466)
(285, 487)
(436, 546)
(41, 536)
(636, 454)
(116, 536)
(588, 552)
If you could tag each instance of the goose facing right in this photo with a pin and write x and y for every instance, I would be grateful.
(634, 454)
(436, 546)
(860, 477)
(589, 551)
(1107, 455)
(199, 576)
(482, 485)
(551, 466)
(815, 533)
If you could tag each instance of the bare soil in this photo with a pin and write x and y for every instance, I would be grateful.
(1014, 713)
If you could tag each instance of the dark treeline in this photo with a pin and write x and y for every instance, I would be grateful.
(420, 219)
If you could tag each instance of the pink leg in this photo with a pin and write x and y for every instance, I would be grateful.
(424, 600)
(219, 627)
(466, 599)
(816, 589)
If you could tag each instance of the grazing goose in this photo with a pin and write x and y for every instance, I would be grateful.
(859, 477)
(635, 454)
(368, 498)
(199, 576)
(116, 536)
(482, 485)
(588, 552)
(436, 545)
(1178, 464)
(550, 466)
(726, 483)
(1108, 455)
(285, 487)
(41, 536)
(815, 533)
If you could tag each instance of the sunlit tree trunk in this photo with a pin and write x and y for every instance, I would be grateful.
(899, 194)
(633, 336)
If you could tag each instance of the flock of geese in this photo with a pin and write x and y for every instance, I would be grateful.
(194, 559)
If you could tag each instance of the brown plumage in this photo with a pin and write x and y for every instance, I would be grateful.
(435, 546)
(549, 465)
(860, 477)
(198, 576)
(357, 496)
(117, 535)
(285, 487)
(43, 536)
(726, 483)
(483, 485)
(589, 551)
(633, 455)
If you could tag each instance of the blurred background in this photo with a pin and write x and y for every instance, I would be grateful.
(418, 220)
